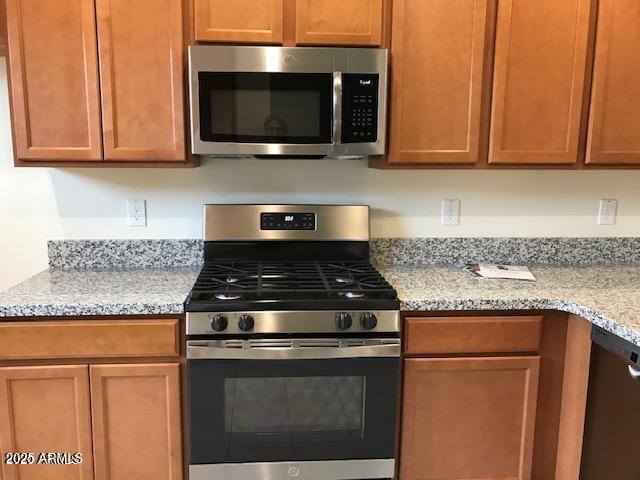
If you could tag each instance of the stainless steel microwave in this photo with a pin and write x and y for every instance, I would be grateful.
(299, 102)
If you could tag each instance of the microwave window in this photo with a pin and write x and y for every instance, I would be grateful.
(265, 107)
(262, 113)
(299, 406)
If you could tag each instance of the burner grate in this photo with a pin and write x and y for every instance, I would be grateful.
(260, 281)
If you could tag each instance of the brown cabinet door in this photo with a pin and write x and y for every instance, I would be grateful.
(339, 22)
(3, 35)
(239, 21)
(613, 128)
(141, 75)
(539, 81)
(437, 60)
(136, 422)
(53, 61)
(46, 409)
(470, 418)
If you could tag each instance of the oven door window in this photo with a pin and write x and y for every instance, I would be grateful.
(302, 410)
(293, 108)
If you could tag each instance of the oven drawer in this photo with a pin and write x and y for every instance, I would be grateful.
(89, 338)
(477, 334)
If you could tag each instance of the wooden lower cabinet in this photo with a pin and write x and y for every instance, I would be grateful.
(46, 409)
(124, 419)
(136, 422)
(469, 418)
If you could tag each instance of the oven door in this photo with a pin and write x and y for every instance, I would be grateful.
(326, 408)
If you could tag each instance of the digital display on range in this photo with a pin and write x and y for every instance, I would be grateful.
(287, 221)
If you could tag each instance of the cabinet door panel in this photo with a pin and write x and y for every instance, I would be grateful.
(136, 422)
(614, 136)
(239, 21)
(141, 73)
(468, 418)
(3, 32)
(437, 57)
(339, 22)
(53, 60)
(46, 409)
(539, 81)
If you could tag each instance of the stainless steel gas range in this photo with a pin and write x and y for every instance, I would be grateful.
(293, 348)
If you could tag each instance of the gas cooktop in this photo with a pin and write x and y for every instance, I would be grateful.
(304, 285)
(289, 270)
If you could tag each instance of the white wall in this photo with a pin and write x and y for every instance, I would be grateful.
(38, 204)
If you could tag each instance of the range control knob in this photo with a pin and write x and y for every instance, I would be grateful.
(246, 323)
(368, 321)
(219, 322)
(343, 321)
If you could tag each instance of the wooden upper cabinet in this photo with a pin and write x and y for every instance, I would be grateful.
(46, 409)
(539, 81)
(468, 418)
(437, 59)
(239, 21)
(136, 422)
(614, 136)
(54, 91)
(141, 74)
(3, 33)
(339, 22)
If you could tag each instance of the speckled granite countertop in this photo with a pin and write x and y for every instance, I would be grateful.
(143, 291)
(98, 278)
(608, 296)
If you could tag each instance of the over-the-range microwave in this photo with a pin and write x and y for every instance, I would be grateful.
(295, 102)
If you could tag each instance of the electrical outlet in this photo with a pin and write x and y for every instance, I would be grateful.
(450, 212)
(137, 213)
(607, 212)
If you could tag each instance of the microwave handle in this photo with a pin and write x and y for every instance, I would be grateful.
(336, 131)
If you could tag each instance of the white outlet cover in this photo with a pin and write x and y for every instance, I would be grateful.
(137, 213)
(450, 212)
(607, 211)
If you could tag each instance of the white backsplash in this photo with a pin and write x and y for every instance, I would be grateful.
(38, 204)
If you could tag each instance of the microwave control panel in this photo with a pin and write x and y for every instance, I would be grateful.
(359, 108)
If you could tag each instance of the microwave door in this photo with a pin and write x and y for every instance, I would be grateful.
(262, 113)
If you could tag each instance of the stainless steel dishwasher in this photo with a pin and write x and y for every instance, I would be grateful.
(611, 448)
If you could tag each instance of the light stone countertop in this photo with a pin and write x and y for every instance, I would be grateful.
(142, 291)
(608, 296)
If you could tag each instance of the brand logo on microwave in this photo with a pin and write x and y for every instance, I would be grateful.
(365, 82)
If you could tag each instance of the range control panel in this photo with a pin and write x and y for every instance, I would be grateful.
(287, 221)
(359, 108)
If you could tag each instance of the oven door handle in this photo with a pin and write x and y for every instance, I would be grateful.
(205, 352)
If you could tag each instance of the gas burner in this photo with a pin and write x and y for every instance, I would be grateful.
(296, 285)
(353, 294)
(345, 279)
(227, 296)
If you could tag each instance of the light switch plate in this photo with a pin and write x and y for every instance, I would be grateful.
(137, 213)
(607, 211)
